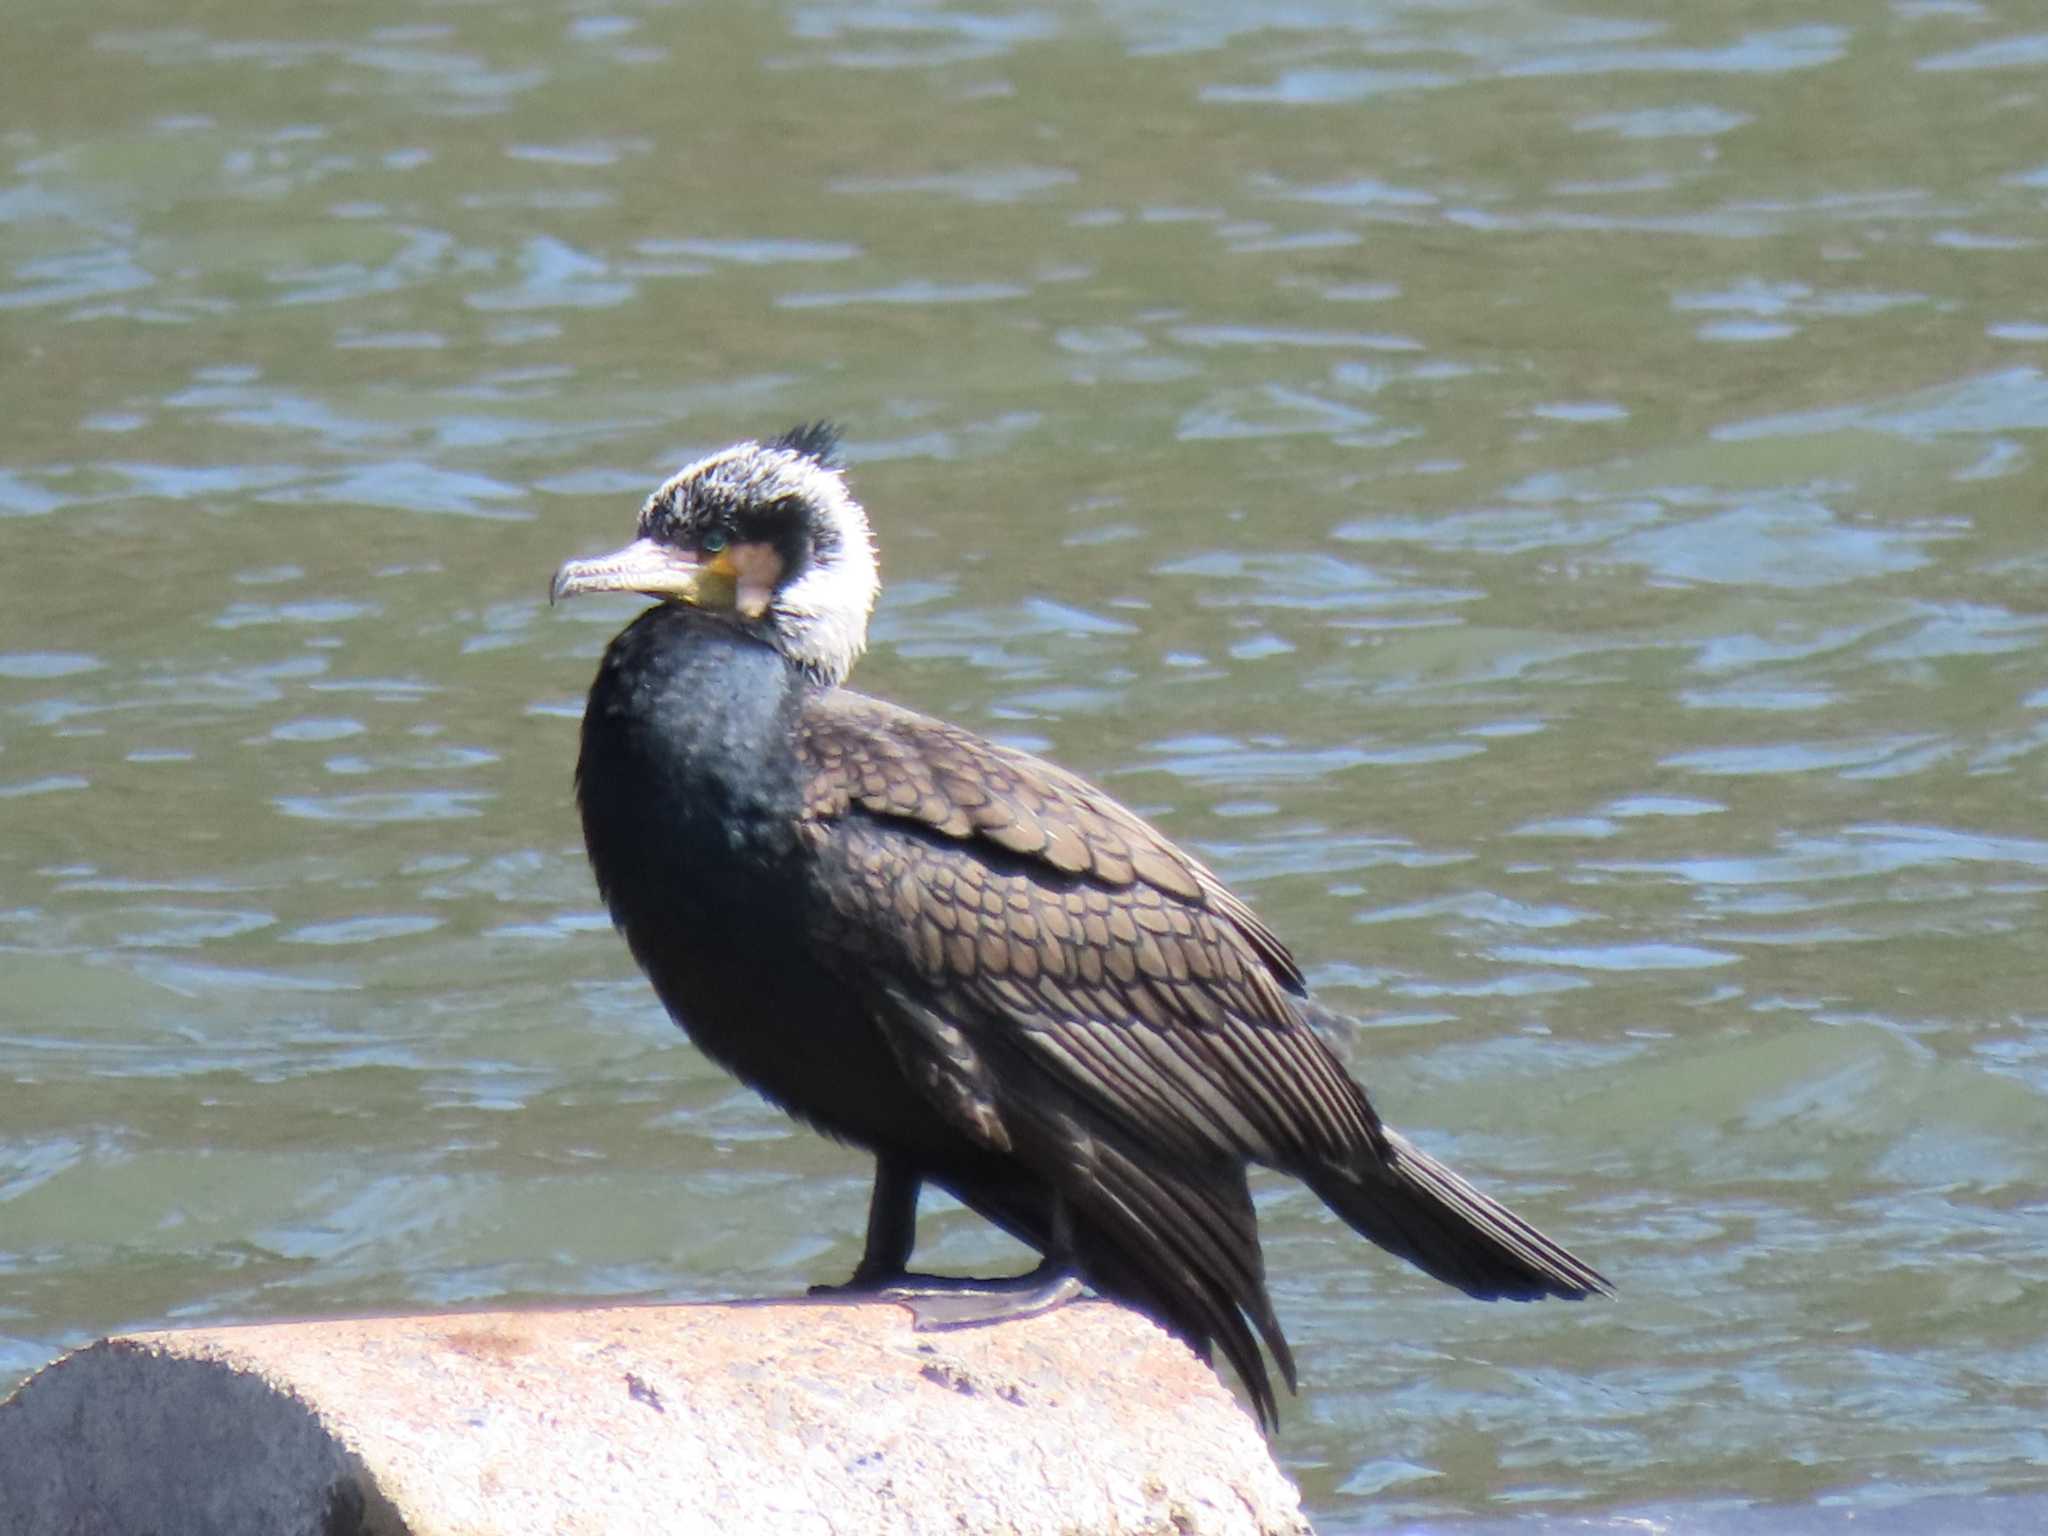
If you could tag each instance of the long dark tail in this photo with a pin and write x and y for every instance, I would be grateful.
(1416, 1207)
(1183, 1250)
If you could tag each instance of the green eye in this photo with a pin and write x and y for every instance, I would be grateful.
(714, 541)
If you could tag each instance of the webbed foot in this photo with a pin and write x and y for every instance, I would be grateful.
(940, 1302)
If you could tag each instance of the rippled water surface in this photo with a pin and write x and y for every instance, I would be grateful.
(1546, 498)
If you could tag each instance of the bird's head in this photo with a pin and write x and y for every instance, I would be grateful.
(763, 534)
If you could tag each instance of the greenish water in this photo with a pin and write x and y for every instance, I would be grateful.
(1547, 499)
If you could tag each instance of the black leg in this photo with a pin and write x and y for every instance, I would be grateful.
(892, 1222)
(892, 1228)
(946, 1301)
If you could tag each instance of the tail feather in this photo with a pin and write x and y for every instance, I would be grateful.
(1416, 1207)
(1180, 1246)
(1187, 1251)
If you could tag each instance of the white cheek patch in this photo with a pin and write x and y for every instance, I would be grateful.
(757, 571)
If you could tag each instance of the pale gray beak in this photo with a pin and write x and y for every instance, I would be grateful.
(645, 565)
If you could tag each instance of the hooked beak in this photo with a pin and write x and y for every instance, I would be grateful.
(645, 565)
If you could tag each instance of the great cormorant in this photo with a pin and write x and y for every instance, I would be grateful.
(972, 963)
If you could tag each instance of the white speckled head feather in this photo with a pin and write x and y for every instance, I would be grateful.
(786, 492)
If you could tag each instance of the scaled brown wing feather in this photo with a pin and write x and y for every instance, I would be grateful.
(894, 762)
(1034, 913)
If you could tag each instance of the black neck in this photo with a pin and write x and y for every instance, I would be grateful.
(688, 766)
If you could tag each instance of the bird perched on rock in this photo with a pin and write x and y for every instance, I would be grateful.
(975, 965)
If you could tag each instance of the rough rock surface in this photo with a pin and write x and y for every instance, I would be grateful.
(817, 1417)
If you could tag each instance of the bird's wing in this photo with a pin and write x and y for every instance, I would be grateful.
(1068, 989)
(1063, 942)
(893, 762)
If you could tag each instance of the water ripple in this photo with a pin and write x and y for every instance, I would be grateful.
(41, 665)
(362, 930)
(391, 806)
(911, 291)
(1616, 957)
(1779, 51)
(1773, 757)
(1785, 542)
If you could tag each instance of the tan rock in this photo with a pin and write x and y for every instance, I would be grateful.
(822, 1417)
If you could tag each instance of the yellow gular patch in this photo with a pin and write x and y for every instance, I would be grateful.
(717, 583)
(757, 571)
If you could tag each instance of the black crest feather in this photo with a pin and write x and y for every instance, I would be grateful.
(817, 440)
